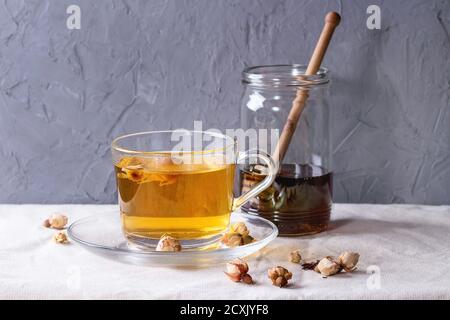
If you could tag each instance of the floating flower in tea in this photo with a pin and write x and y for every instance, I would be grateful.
(137, 171)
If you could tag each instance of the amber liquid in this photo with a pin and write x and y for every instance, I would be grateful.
(158, 196)
(298, 202)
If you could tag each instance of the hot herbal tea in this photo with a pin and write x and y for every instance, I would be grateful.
(158, 196)
(180, 183)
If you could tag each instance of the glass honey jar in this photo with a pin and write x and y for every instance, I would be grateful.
(299, 202)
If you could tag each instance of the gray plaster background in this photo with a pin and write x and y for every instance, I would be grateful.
(158, 64)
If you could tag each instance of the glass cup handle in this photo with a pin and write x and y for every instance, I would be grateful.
(272, 169)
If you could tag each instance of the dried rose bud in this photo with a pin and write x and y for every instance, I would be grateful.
(56, 221)
(241, 228)
(168, 243)
(279, 276)
(233, 239)
(328, 267)
(349, 260)
(295, 256)
(46, 223)
(237, 270)
(60, 237)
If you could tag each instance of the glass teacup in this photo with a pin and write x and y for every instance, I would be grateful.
(171, 183)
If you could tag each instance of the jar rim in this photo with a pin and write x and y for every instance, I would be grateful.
(284, 75)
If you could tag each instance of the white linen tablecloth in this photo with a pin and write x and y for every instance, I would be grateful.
(405, 253)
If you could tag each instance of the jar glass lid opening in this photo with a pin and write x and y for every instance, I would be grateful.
(284, 75)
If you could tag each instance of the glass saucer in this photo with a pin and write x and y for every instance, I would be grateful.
(102, 234)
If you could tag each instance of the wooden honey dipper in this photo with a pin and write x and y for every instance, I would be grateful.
(332, 20)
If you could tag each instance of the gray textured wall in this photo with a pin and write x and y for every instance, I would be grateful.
(157, 64)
